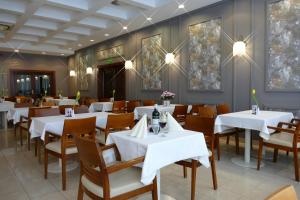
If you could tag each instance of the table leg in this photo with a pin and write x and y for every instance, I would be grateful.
(160, 195)
(247, 161)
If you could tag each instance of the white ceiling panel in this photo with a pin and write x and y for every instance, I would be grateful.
(56, 26)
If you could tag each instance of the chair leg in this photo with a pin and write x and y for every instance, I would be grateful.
(237, 145)
(80, 191)
(35, 147)
(154, 191)
(28, 140)
(218, 146)
(63, 172)
(296, 163)
(21, 136)
(39, 153)
(213, 172)
(15, 130)
(184, 171)
(275, 155)
(259, 156)
(46, 164)
(194, 178)
(287, 153)
(227, 140)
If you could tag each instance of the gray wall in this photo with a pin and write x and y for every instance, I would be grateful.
(34, 62)
(240, 18)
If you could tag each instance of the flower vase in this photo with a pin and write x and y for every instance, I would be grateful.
(255, 109)
(112, 99)
(166, 102)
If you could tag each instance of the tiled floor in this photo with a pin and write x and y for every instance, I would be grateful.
(21, 177)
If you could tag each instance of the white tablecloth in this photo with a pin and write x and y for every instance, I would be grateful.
(6, 105)
(61, 102)
(55, 124)
(247, 120)
(160, 151)
(16, 113)
(140, 111)
(101, 106)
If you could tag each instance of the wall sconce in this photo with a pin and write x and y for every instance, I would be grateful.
(27, 79)
(22, 80)
(239, 48)
(72, 73)
(89, 70)
(170, 58)
(128, 64)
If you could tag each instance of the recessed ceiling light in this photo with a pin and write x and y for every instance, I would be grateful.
(106, 34)
(79, 45)
(149, 18)
(44, 52)
(181, 6)
(16, 50)
(92, 40)
(125, 27)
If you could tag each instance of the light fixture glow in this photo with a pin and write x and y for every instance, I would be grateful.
(149, 18)
(16, 50)
(89, 70)
(79, 45)
(18, 80)
(27, 79)
(128, 64)
(125, 27)
(62, 54)
(239, 48)
(36, 78)
(170, 58)
(22, 80)
(181, 6)
(45, 77)
(92, 40)
(72, 73)
(106, 34)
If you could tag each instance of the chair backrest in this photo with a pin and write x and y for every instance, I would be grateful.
(118, 107)
(63, 107)
(195, 108)
(81, 109)
(104, 100)
(132, 104)
(48, 103)
(206, 112)
(26, 100)
(90, 101)
(44, 112)
(287, 192)
(201, 124)
(12, 99)
(180, 111)
(85, 127)
(222, 109)
(120, 121)
(148, 102)
(90, 156)
(23, 105)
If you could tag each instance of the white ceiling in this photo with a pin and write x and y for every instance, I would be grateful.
(59, 27)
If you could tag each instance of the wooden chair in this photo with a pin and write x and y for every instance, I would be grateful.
(180, 112)
(65, 147)
(104, 100)
(12, 99)
(90, 101)
(195, 109)
(23, 105)
(24, 125)
(206, 126)
(131, 105)
(26, 100)
(81, 109)
(206, 112)
(48, 103)
(286, 139)
(223, 109)
(119, 181)
(286, 193)
(118, 106)
(149, 102)
(63, 107)
(43, 112)
(115, 123)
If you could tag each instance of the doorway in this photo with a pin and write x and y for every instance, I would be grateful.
(111, 77)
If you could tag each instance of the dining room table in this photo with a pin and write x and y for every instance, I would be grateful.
(63, 101)
(141, 110)
(160, 151)
(101, 106)
(5, 106)
(248, 121)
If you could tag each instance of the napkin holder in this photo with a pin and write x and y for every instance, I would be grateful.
(69, 112)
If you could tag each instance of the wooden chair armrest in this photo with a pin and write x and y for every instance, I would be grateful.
(279, 129)
(23, 119)
(47, 134)
(287, 124)
(114, 147)
(125, 164)
(295, 120)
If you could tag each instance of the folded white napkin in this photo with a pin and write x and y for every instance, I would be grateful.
(173, 124)
(140, 130)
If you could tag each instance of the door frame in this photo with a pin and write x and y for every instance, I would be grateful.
(100, 86)
(14, 72)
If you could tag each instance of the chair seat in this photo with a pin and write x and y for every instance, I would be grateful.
(283, 139)
(56, 147)
(24, 125)
(120, 182)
